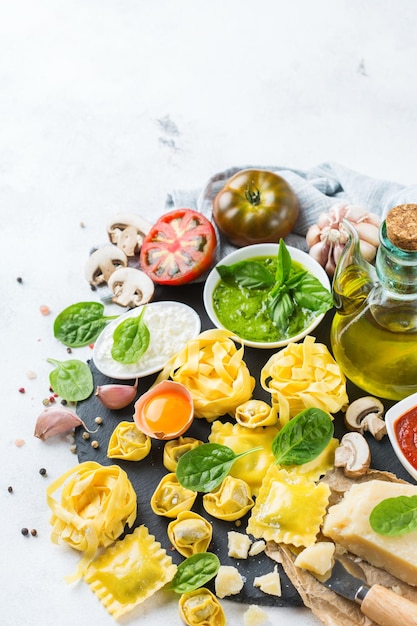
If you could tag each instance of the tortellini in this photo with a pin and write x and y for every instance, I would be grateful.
(170, 497)
(201, 608)
(190, 533)
(174, 450)
(129, 572)
(128, 442)
(254, 413)
(231, 501)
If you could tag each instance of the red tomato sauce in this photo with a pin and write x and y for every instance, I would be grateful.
(406, 433)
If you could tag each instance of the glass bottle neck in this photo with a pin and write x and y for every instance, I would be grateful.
(396, 268)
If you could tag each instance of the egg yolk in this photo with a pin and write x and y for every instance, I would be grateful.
(165, 414)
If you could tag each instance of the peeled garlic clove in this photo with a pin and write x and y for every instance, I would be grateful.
(55, 420)
(117, 396)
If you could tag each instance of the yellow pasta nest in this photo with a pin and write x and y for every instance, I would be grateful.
(304, 375)
(129, 572)
(289, 508)
(212, 368)
(190, 533)
(201, 608)
(96, 503)
(252, 467)
(128, 442)
(231, 501)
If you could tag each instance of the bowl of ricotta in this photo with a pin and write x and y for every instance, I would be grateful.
(243, 307)
(171, 325)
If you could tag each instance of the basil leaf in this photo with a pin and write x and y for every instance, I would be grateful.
(250, 274)
(80, 324)
(280, 307)
(195, 572)
(72, 380)
(284, 263)
(205, 467)
(130, 339)
(394, 516)
(303, 438)
(311, 294)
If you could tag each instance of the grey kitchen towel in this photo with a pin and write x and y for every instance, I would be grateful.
(317, 189)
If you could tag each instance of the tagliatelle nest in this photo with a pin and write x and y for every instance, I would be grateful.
(95, 505)
(212, 368)
(304, 375)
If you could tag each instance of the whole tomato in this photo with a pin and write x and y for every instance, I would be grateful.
(179, 247)
(255, 206)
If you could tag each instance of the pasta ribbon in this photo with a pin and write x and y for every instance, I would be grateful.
(213, 370)
(301, 376)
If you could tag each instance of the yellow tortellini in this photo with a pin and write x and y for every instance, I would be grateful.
(231, 501)
(190, 533)
(201, 608)
(289, 508)
(174, 450)
(254, 413)
(128, 442)
(252, 467)
(170, 497)
(129, 572)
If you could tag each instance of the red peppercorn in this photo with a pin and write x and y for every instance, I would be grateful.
(22, 390)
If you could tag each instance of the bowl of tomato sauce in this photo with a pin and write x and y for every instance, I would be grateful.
(401, 421)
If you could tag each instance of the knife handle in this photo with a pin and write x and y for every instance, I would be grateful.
(387, 608)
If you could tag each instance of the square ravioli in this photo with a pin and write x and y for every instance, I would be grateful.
(130, 571)
(289, 508)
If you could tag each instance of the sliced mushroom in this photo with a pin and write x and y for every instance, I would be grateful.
(131, 287)
(353, 455)
(102, 263)
(128, 231)
(365, 414)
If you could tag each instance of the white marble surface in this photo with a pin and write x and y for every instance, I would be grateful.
(107, 105)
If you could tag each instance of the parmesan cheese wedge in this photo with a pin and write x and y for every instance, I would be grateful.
(347, 524)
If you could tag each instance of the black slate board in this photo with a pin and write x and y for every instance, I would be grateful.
(146, 474)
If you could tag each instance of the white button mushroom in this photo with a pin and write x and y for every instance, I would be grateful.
(102, 263)
(131, 287)
(366, 414)
(127, 232)
(353, 455)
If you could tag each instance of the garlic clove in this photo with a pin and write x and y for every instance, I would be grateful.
(117, 396)
(56, 420)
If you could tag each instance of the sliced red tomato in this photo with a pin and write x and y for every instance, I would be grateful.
(180, 247)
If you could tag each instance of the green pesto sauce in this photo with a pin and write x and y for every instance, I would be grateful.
(243, 311)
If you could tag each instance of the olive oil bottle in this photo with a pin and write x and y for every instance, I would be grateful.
(374, 330)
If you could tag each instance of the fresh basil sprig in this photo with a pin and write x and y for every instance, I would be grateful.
(195, 572)
(394, 516)
(205, 467)
(130, 339)
(251, 274)
(72, 380)
(303, 438)
(80, 324)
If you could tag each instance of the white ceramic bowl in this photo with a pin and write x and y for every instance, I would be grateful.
(171, 325)
(391, 416)
(259, 250)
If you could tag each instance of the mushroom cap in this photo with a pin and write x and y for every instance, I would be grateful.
(103, 262)
(366, 414)
(353, 455)
(127, 231)
(131, 287)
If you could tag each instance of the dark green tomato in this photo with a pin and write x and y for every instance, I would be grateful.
(255, 206)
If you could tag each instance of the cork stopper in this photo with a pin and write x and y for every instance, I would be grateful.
(401, 223)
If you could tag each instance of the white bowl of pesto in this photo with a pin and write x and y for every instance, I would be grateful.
(170, 324)
(248, 300)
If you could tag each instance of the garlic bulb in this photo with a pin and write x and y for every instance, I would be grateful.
(327, 238)
(117, 396)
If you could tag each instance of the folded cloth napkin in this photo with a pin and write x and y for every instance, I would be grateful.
(317, 190)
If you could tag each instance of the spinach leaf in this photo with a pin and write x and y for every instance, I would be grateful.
(130, 339)
(394, 516)
(195, 572)
(303, 438)
(72, 380)
(250, 274)
(205, 467)
(80, 324)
